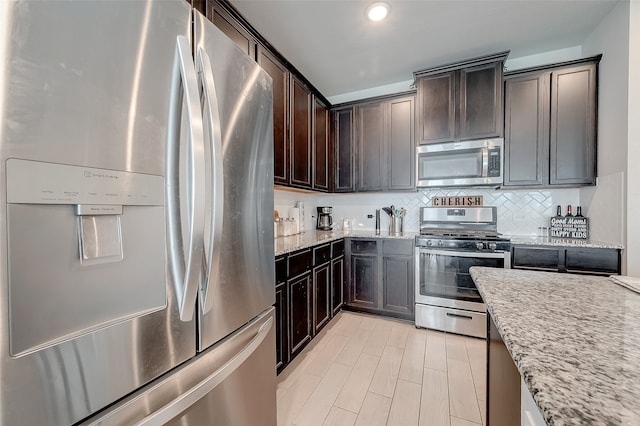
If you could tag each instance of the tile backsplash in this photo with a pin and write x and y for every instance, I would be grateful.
(520, 212)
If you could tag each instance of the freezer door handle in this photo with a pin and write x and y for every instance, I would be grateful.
(193, 395)
(215, 182)
(186, 211)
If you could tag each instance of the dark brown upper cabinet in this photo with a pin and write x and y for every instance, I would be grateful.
(526, 130)
(574, 110)
(320, 145)
(461, 101)
(551, 125)
(401, 144)
(437, 107)
(371, 141)
(300, 128)
(386, 144)
(222, 19)
(280, 76)
(343, 150)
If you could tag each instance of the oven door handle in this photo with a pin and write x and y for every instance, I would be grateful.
(499, 255)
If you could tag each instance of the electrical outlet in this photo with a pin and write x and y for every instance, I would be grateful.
(369, 216)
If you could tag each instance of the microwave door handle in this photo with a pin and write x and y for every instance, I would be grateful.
(185, 223)
(211, 113)
(485, 162)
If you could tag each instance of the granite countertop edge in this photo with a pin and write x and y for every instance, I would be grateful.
(511, 345)
(306, 239)
(547, 396)
(561, 242)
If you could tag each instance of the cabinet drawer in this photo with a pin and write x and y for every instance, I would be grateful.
(537, 258)
(321, 254)
(397, 247)
(364, 246)
(281, 269)
(597, 261)
(337, 248)
(452, 320)
(299, 263)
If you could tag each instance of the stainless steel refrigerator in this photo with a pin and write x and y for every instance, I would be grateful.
(136, 255)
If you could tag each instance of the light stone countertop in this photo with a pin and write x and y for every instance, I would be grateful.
(561, 242)
(307, 239)
(312, 238)
(575, 340)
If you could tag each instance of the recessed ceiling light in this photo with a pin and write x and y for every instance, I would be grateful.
(378, 11)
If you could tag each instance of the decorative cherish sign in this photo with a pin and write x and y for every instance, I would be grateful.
(457, 201)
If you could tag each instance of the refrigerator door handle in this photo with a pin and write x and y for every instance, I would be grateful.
(209, 383)
(211, 113)
(185, 232)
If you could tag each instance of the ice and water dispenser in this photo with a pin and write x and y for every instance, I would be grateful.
(86, 250)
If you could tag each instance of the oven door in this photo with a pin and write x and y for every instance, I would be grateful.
(446, 296)
(442, 277)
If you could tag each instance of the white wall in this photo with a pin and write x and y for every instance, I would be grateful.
(559, 55)
(633, 180)
(605, 204)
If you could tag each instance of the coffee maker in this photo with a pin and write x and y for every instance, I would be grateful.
(324, 219)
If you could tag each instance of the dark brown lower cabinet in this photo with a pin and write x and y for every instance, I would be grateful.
(322, 294)
(281, 305)
(309, 292)
(381, 278)
(282, 355)
(300, 291)
(337, 284)
(397, 294)
(576, 260)
(364, 281)
(503, 381)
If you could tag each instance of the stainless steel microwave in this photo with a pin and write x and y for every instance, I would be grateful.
(466, 163)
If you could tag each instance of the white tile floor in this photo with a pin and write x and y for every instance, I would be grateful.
(368, 370)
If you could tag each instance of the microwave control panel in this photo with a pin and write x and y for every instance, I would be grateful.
(493, 169)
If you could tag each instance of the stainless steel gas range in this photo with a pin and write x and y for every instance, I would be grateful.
(451, 240)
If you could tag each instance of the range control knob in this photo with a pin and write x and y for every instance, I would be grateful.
(493, 246)
(479, 245)
(429, 243)
(439, 243)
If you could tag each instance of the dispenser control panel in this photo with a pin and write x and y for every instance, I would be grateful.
(36, 182)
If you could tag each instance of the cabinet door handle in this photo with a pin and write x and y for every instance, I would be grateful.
(449, 314)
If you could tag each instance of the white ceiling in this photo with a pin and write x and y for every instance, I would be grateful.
(339, 51)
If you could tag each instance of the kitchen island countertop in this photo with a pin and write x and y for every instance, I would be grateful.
(575, 340)
(307, 239)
